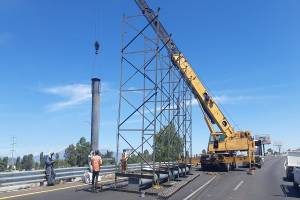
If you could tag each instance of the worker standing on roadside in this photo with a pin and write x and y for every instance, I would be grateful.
(50, 174)
(124, 162)
(96, 161)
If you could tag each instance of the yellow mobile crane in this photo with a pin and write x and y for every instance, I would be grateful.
(224, 144)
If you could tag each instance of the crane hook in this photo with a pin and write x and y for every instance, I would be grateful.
(97, 47)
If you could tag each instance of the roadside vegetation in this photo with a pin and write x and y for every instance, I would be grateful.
(74, 155)
(168, 145)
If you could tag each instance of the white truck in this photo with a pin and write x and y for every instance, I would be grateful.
(292, 167)
(297, 177)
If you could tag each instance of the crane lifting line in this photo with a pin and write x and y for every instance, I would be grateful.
(97, 35)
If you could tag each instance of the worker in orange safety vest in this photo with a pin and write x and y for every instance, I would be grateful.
(124, 161)
(96, 161)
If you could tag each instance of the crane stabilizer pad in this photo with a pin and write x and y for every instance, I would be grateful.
(173, 189)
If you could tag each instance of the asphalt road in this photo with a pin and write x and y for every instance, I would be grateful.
(267, 183)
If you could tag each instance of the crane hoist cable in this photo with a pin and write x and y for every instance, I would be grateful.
(97, 36)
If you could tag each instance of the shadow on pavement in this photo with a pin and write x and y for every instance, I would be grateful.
(89, 189)
(290, 191)
(220, 170)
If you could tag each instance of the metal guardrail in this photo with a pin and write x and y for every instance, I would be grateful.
(38, 176)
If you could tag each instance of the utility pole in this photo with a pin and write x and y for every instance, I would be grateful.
(278, 145)
(12, 151)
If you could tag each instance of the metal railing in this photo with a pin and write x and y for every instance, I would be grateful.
(38, 176)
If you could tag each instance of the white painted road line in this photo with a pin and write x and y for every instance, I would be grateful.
(192, 194)
(41, 192)
(238, 185)
(48, 190)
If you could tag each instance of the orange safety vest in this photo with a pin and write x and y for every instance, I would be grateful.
(96, 163)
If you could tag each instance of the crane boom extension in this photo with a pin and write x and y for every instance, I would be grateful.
(200, 92)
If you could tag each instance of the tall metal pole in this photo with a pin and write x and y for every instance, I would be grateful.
(12, 152)
(95, 113)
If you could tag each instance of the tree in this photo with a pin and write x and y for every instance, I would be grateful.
(24, 162)
(108, 158)
(134, 159)
(83, 149)
(57, 156)
(61, 163)
(147, 156)
(42, 160)
(30, 163)
(36, 165)
(2, 166)
(70, 155)
(109, 154)
(57, 161)
(269, 150)
(18, 163)
(5, 161)
(27, 162)
(168, 144)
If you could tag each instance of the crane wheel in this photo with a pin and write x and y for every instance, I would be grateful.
(296, 185)
(226, 167)
(232, 166)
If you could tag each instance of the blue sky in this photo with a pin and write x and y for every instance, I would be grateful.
(246, 52)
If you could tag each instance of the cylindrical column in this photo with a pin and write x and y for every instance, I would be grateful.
(95, 113)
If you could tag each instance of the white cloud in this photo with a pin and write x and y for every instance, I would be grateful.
(232, 99)
(74, 94)
(262, 88)
(225, 99)
(106, 88)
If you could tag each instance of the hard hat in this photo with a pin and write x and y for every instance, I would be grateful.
(51, 154)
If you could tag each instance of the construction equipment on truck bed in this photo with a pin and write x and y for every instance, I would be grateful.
(224, 144)
(292, 161)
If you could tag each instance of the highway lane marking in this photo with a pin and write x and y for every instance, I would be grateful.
(40, 192)
(238, 185)
(193, 193)
(45, 191)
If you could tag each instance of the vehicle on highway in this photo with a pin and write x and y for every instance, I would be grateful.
(259, 161)
(296, 177)
(292, 162)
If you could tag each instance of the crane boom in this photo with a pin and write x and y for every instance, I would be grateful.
(209, 106)
(157, 26)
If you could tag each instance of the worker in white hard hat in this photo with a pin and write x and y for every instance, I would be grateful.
(50, 174)
(92, 153)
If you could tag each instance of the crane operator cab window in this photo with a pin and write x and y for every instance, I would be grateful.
(218, 138)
